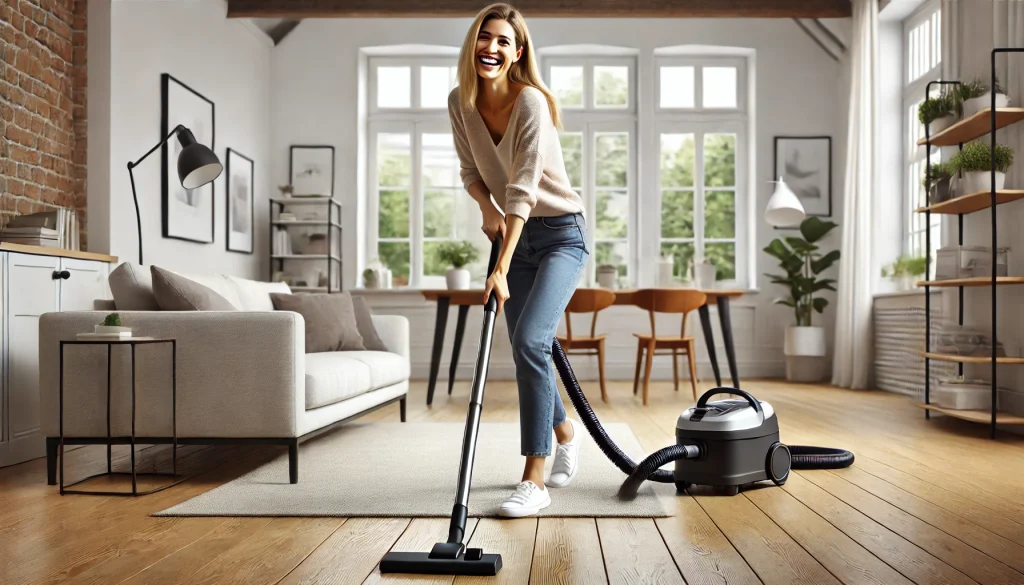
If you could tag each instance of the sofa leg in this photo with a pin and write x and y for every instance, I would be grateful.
(52, 444)
(293, 461)
(401, 408)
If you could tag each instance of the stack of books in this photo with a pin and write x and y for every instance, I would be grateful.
(50, 229)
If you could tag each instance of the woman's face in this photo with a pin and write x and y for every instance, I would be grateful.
(496, 49)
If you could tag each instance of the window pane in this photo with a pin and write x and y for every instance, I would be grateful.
(719, 214)
(467, 227)
(440, 161)
(394, 87)
(682, 256)
(395, 255)
(677, 160)
(719, 87)
(438, 213)
(677, 214)
(612, 214)
(611, 86)
(720, 160)
(567, 85)
(613, 253)
(435, 84)
(723, 256)
(677, 87)
(393, 220)
(572, 152)
(394, 160)
(612, 159)
(432, 264)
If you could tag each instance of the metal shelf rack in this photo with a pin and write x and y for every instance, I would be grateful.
(332, 224)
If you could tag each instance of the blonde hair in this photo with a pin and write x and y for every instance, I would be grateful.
(524, 71)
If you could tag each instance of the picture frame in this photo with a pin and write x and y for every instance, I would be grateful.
(805, 164)
(188, 214)
(308, 170)
(239, 204)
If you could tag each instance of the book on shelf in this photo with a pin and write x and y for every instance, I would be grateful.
(54, 229)
(282, 243)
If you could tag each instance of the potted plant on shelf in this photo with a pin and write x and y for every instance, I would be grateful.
(974, 96)
(937, 113)
(974, 163)
(936, 182)
(457, 255)
(904, 270)
(803, 263)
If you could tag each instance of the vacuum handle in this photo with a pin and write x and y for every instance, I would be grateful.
(703, 400)
(492, 299)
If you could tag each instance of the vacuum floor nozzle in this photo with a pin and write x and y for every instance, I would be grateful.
(473, 563)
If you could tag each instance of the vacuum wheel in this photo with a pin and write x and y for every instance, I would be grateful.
(682, 486)
(778, 463)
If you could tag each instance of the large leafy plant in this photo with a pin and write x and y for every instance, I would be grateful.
(803, 262)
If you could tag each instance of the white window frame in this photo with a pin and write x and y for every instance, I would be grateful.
(588, 63)
(699, 62)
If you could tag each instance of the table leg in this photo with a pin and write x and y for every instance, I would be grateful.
(435, 357)
(730, 350)
(709, 341)
(460, 328)
(60, 446)
(135, 486)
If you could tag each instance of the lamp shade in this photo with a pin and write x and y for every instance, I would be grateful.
(784, 208)
(197, 164)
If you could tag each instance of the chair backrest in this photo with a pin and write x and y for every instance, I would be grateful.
(587, 300)
(669, 300)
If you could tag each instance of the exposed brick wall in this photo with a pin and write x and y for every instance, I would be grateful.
(42, 107)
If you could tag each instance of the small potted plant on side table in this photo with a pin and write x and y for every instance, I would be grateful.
(457, 255)
(112, 326)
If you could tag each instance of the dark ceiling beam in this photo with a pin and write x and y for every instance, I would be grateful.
(280, 30)
(542, 8)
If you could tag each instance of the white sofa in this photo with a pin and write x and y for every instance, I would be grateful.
(242, 377)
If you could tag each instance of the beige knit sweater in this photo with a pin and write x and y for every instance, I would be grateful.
(524, 172)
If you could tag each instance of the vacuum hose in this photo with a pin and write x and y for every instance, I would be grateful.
(803, 457)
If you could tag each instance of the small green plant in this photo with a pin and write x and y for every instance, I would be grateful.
(974, 88)
(906, 266)
(978, 156)
(934, 108)
(112, 320)
(937, 172)
(457, 254)
(803, 262)
(369, 277)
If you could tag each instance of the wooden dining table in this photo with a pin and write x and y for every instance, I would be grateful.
(464, 299)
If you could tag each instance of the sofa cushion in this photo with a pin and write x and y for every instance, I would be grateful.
(218, 283)
(330, 320)
(131, 286)
(335, 376)
(364, 321)
(177, 293)
(254, 295)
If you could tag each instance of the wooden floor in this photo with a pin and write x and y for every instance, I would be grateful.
(927, 502)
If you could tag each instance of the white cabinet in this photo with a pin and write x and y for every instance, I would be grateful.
(33, 285)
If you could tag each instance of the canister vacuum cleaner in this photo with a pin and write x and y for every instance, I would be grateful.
(725, 443)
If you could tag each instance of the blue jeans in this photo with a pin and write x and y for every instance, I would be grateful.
(542, 277)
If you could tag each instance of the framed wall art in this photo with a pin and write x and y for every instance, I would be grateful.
(239, 206)
(805, 164)
(188, 214)
(311, 171)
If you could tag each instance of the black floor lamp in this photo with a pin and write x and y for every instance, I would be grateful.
(197, 166)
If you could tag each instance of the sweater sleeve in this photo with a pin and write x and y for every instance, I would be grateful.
(532, 129)
(468, 170)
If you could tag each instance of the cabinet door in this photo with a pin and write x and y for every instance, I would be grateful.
(87, 282)
(31, 290)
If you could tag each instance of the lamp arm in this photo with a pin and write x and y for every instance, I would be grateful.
(131, 175)
(158, 145)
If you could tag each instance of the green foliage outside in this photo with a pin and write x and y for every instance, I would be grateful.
(979, 156)
(802, 262)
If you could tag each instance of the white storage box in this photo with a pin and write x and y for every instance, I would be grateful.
(963, 395)
(968, 262)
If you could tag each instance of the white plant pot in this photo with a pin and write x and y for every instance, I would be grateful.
(939, 124)
(906, 282)
(458, 278)
(975, 181)
(804, 342)
(975, 105)
(110, 330)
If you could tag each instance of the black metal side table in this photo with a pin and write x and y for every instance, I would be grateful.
(131, 439)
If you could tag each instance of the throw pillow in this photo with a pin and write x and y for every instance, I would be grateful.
(330, 320)
(132, 288)
(364, 320)
(177, 293)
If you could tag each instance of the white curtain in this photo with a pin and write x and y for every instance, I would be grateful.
(851, 366)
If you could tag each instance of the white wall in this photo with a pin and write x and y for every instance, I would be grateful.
(798, 90)
(229, 62)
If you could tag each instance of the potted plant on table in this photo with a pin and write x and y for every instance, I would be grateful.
(111, 325)
(457, 255)
(975, 161)
(803, 263)
(974, 96)
(905, 269)
(937, 113)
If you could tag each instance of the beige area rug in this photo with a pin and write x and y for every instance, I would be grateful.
(411, 469)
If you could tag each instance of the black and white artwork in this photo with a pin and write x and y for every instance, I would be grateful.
(187, 213)
(805, 164)
(239, 206)
(312, 171)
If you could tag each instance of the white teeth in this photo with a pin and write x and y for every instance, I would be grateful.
(489, 60)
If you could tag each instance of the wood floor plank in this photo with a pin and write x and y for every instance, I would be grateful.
(702, 553)
(635, 553)
(282, 545)
(841, 555)
(349, 555)
(968, 560)
(514, 540)
(179, 566)
(419, 536)
(568, 551)
(769, 551)
(994, 545)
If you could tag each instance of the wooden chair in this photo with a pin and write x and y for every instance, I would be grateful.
(666, 301)
(587, 300)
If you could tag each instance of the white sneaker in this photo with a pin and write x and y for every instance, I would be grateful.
(527, 500)
(567, 459)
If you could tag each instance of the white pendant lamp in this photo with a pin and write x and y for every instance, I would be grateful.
(784, 208)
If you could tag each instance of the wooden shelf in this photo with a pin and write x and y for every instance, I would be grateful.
(305, 223)
(975, 281)
(964, 359)
(304, 257)
(973, 202)
(974, 127)
(304, 200)
(981, 416)
(61, 252)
